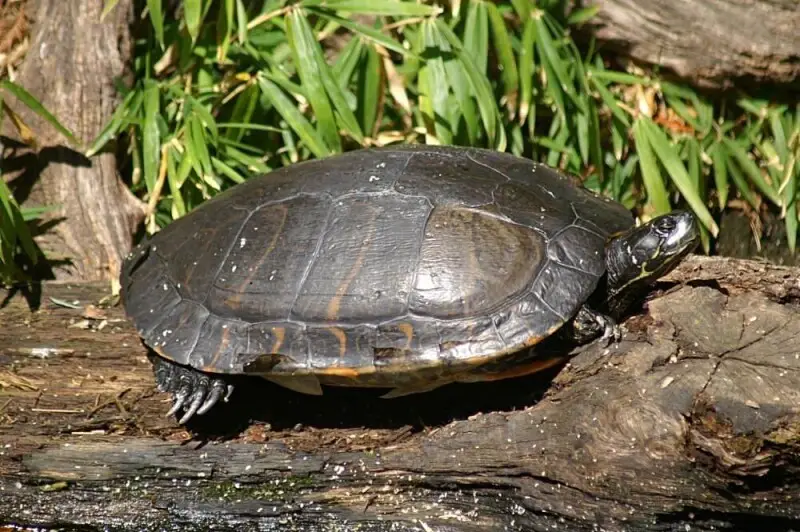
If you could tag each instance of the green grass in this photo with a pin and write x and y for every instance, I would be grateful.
(18, 250)
(235, 88)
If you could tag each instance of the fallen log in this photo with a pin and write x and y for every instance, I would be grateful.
(713, 44)
(692, 422)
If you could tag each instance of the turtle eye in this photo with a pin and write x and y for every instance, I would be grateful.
(665, 226)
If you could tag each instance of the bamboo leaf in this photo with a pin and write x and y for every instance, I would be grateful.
(480, 86)
(311, 77)
(369, 90)
(526, 69)
(253, 164)
(476, 35)
(34, 105)
(117, 122)
(459, 81)
(192, 14)
(198, 146)
(242, 114)
(579, 16)
(110, 5)
(151, 135)
(294, 118)
(329, 82)
(347, 62)
(595, 142)
(384, 7)
(241, 21)
(719, 158)
(618, 77)
(657, 194)
(226, 170)
(751, 170)
(370, 34)
(174, 181)
(741, 184)
(554, 63)
(434, 88)
(677, 171)
(505, 55)
(157, 19)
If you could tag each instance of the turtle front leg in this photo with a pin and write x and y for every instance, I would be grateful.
(588, 325)
(191, 389)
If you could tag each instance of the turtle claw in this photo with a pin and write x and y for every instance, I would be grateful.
(196, 400)
(192, 390)
(612, 333)
(180, 398)
(218, 388)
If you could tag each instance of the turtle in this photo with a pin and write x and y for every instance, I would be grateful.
(403, 267)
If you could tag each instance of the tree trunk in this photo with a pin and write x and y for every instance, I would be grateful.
(70, 68)
(692, 422)
(713, 44)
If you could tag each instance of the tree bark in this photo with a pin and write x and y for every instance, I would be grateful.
(692, 422)
(71, 66)
(713, 44)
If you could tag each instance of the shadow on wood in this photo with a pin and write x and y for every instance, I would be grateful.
(692, 420)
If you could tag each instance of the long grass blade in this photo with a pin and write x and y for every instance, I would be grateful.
(487, 105)
(293, 117)
(753, 173)
(657, 195)
(677, 171)
(505, 55)
(154, 7)
(476, 35)
(151, 134)
(370, 34)
(34, 105)
(384, 7)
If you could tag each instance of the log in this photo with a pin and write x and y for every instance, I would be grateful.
(716, 44)
(72, 65)
(691, 422)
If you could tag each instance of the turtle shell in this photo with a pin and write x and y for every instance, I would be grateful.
(398, 267)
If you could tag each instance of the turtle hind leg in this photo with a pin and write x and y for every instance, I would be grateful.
(588, 325)
(192, 390)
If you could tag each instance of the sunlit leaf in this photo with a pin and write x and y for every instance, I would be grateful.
(192, 13)
(308, 68)
(34, 105)
(293, 117)
(370, 34)
(151, 135)
(384, 7)
(476, 35)
(505, 55)
(434, 88)
(751, 170)
(157, 19)
(579, 16)
(719, 158)
(671, 161)
(657, 195)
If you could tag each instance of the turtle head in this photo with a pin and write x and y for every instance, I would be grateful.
(636, 258)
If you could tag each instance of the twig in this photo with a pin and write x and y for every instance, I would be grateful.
(56, 411)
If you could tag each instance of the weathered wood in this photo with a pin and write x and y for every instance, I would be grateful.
(71, 67)
(693, 420)
(715, 43)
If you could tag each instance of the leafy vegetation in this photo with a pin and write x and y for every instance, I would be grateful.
(228, 89)
(18, 250)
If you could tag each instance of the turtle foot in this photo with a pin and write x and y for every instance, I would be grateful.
(612, 332)
(192, 390)
(588, 325)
